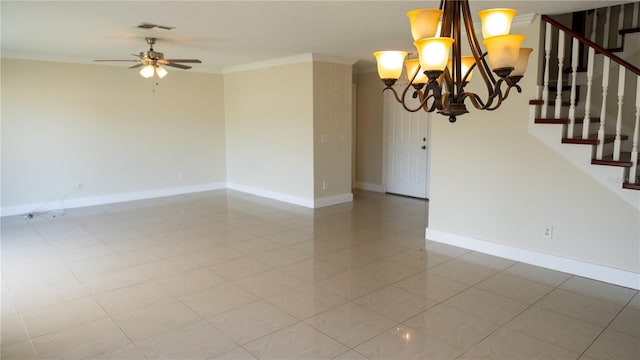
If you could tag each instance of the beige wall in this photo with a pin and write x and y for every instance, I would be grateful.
(369, 126)
(269, 130)
(108, 128)
(492, 180)
(332, 118)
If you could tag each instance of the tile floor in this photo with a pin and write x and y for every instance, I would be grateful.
(225, 275)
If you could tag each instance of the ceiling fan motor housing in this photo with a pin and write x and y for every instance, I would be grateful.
(151, 54)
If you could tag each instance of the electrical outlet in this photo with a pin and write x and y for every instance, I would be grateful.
(181, 175)
(325, 185)
(548, 232)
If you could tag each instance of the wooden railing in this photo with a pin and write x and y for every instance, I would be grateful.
(626, 73)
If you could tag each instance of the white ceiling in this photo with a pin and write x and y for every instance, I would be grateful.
(222, 34)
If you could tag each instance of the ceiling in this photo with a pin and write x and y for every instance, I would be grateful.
(223, 34)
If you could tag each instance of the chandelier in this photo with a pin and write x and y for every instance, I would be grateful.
(440, 74)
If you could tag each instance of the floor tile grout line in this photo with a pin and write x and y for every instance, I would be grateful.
(605, 328)
(386, 257)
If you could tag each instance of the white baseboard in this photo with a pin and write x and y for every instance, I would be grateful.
(109, 199)
(295, 200)
(157, 193)
(272, 195)
(576, 267)
(333, 200)
(369, 187)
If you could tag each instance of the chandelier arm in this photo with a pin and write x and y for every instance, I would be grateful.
(423, 100)
(476, 50)
(501, 96)
(423, 103)
(479, 104)
(443, 100)
(448, 15)
(497, 95)
(395, 93)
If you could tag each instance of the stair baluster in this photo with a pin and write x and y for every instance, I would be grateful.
(620, 26)
(636, 7)
(633, 171)
(594, 26)
(607, 28)
(617, 141)
(547, 57)
(587, 104)
(602, 155)
(574, 73)
(558, 107)
(603, 110)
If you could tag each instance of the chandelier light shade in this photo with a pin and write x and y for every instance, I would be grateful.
(415, 70)
(433, 52)
(390, 64)
(503, 51)
(439, 75)
(466, 64)
(424, 22)
(523, 61)
(496, 21)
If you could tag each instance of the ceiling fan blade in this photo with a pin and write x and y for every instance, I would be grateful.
(196, 61)
(135, 66)
(179, 66)
(118, 60)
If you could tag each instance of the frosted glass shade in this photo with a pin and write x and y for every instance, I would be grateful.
(161, 72)
(496, 22)
(523, 61)
(424, 22)
(465, 65)
(433, 52)
(147, 71)
(390, 63)
(413, 65)
(503, 50)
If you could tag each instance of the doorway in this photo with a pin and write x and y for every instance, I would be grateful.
(406, 149)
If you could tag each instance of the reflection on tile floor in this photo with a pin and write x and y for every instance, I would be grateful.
(225, 275)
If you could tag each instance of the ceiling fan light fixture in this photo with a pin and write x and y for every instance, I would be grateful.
(151, 62)
(161, 72)
(147, 71)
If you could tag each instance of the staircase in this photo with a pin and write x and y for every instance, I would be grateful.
(588, 106)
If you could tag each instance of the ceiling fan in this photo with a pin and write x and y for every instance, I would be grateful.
(153, 61)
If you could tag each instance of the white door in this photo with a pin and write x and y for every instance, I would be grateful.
(406, 149)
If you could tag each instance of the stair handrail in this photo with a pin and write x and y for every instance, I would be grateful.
(590, 43)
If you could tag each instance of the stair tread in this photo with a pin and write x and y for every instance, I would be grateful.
(592, 139)
(630, 186)
(551, 102)
(615, 49)
(625, 160)
(579, 120)
(629, 30)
